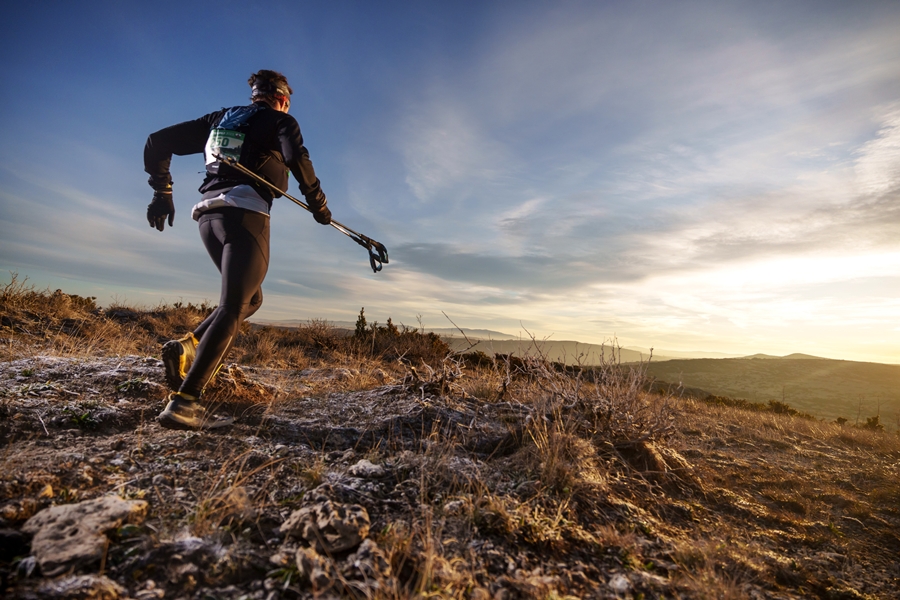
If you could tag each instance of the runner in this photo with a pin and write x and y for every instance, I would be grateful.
(233, 215)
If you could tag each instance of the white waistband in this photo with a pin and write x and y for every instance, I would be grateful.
(240, 196)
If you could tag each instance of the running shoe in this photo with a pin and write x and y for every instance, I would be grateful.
(177, 357)
(184, 412)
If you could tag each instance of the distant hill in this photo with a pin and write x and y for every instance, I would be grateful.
(794, 356)
(485, 334)
(822, 387)
(561, 351)
(472, 334)
(659, 353)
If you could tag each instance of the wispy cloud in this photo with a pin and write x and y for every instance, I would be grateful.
(447, 154)
(878, 162)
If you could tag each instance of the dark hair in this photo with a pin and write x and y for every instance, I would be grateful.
(268, 84)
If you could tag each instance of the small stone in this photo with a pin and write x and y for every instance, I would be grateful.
(280, 559)
(619, 584)
(367, 470)
(161, 479)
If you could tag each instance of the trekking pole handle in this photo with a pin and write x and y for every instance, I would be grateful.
(378, 254)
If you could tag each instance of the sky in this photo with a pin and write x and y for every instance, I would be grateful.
(689, 176)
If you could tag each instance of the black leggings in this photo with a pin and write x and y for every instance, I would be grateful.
(238, 242)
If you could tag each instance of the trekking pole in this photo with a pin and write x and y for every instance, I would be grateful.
(373, 247)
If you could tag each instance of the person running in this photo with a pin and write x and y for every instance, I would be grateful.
(233, 216)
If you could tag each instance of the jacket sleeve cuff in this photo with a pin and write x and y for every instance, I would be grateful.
(161, 183)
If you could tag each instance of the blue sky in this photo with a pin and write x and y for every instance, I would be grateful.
(717, 176)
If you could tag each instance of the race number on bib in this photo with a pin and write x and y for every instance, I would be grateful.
(223, 142)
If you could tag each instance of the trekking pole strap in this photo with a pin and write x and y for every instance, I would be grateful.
(378, 254)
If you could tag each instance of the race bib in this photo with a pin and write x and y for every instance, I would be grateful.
(223, 142)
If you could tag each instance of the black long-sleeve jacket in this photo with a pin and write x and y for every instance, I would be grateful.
(273, 146)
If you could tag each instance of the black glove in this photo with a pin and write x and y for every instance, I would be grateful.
(161, 207)
(322, 215)
(319, 207)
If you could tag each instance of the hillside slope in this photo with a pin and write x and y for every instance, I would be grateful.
(825, 388)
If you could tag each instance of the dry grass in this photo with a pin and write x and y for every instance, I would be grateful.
(42, 322)
(228, 497)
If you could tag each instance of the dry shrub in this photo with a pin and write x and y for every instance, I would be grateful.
(490, 376)
(260, 347)
(607, 402)
(319, 335)
(39, 322)
(419, 566)
(560, 460)
(43, 321)
(234, 387)
(20, 302)
(391, 343)
(578, 413)
(290, 347)
(163, 322)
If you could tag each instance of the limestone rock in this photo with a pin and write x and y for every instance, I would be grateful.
(314, 568)
(73, 535)
(367, 470)
(83, 587)
(368, 563)
(329, 526)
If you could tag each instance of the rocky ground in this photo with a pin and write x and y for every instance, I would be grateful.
(392, 482)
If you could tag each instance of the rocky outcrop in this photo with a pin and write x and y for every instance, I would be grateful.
(73, 535)
(328, 526)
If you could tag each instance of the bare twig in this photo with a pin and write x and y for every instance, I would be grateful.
(471, 344)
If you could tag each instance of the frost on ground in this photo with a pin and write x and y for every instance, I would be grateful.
(407, 483)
